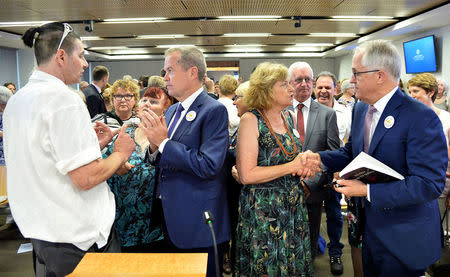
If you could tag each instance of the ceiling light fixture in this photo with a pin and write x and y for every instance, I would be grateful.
(301, 49)
(302, 54)
(249, 18)
(244, 50)
(91, 38)
(247, 35)
(160, 36)
(23, 23)
(361, 18)
(173, 45)
(332, 35)
(134, 20)
(244, 55)
(314, 44)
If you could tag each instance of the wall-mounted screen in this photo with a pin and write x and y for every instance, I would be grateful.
(420, 55)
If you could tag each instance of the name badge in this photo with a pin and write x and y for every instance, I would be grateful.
(389, 122)
(191, 115)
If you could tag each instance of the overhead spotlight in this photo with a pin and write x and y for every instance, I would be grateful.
(299, 23)
(89, 25)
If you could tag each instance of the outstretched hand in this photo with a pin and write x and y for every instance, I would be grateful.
(104, 133)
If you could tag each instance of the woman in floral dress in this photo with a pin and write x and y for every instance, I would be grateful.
(273, 232)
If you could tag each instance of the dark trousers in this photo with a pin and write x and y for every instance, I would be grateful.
(166, 245)
(60, 259)
(377, 261)
(334, 223)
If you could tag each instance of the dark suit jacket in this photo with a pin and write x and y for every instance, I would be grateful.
(402, 216)
(94, 101)
(321, 134)
(192, 175)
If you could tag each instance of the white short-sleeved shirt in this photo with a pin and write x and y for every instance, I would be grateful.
(48, 133)
(233, 118)
(344, 121)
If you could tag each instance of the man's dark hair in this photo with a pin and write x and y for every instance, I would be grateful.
(162, 73)
(45, 40)
(144, 80)
(327, 74)
(9, 83)
(99, 73)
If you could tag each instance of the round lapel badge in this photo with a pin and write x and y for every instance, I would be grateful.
(389, 122)
(296, 133)
(191, 115)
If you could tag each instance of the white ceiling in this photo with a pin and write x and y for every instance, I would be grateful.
(198, 22)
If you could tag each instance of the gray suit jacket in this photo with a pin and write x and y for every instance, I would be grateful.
(321, 134)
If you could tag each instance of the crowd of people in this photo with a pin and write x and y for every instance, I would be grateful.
(134, 167)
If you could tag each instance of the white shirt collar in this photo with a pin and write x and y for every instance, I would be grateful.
(188, 101)
(99, 90)
(41, 75)
(382, 102)
(306, 103)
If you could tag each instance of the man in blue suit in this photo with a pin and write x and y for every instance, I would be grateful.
(192, 141)
(402, 228)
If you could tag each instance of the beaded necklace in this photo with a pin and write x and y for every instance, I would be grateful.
(287, 155)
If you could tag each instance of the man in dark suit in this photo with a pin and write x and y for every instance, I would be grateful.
(402, 228)
(93, 92)
(318, 131)
(193, 145)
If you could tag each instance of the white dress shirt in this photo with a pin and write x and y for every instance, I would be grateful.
(48, 133)
(233, 118)
(344, 121)
(380, 105)
(186, 105)
(305, 111)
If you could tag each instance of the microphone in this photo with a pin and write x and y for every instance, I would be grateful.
(208, 218)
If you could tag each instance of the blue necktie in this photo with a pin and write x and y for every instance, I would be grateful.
(175, 120)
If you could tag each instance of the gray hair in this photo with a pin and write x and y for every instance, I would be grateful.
(190, 56)
(5, 94)
(300, 65)
(381, 54)
(445, 84)
(327, 74)
(345, 85)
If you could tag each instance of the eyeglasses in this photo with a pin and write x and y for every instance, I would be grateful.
(356, 73)
(67, 30)
(301, 80)
(236, 97)
(127, 97)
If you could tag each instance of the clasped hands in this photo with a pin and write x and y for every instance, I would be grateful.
(154, 127)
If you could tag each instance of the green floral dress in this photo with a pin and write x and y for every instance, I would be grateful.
(273, 232)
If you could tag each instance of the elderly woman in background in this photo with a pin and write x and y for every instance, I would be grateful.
(441, 100)
(424, 87)
(228, 85)
(348, 91)
(5, 94)
(156, 99)
(124, 98)
(133, 184)
(272, 232)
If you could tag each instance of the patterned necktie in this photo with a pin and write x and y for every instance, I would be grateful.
(300, 123)
(367, 125)
(175, 120)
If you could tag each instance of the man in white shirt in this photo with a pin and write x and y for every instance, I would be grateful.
(56, 177)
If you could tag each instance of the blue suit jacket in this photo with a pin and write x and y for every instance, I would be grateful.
(402, 216)
(192, 175)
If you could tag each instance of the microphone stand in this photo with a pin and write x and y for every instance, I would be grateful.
(208, 217)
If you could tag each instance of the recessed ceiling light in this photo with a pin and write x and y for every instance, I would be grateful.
(23, 23)
(332, 35)
(91, 38)
(173, 45)
(245, 55)
(302, 54)
(160, 36)
(247, 35)
(134, 20)
(249, 18)
(244, 50)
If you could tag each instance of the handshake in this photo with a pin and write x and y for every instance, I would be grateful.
(306, 164)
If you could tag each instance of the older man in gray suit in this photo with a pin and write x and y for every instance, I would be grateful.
(318, 131)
